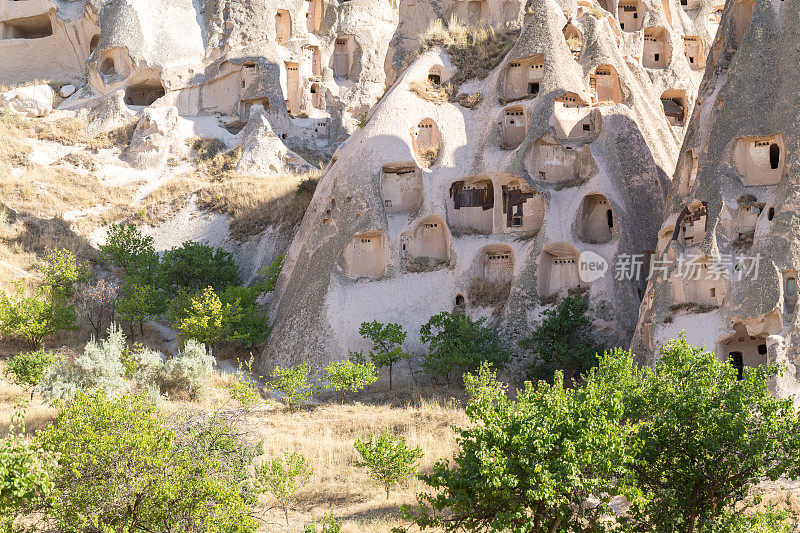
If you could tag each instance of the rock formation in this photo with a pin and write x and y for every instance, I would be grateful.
(728, 250)
(433, 206)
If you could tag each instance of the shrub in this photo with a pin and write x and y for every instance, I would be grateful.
(124, 466)
(388, 459)
(292, 384)
(243, 388)
(387, 340)
(483, 385)
(63, 271)
(34, 318)
(529, 464)
(270, 275)
(247, 322)
(26, 473)
(197, 266)
(27, 369)
(144, 365)
(455, 341)
(191, 369)
(98, 368)
(563, 341)
(349, 376)
(282, 477)
(128, 249)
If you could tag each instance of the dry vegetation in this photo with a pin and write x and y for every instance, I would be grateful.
(484, 293)
(474, 51)
(324, 435)
(431, 92)
(252, 203)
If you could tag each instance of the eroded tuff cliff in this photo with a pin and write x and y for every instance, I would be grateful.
(729, 245)
(435, 205)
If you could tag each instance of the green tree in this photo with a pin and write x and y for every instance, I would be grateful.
(388, 458)
(243, 387)
(564, 341)
(529, 464)
(26, 369)
(248, 323)
(282, 476)
(36, 317)
(62, 271)
(483, 384)
(139, 303)
(270, 275)
(26, 473)
(125, 468)
(292, 384)
(195, 266)
(349, 375)
(387, 340)
(204, 319)
(702, 439)
(455, 341)
(127, 248)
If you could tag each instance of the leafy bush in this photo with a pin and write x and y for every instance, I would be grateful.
(191, 369)
(63, 271)
(388, 459)
(26, 473)
(702, 438)
(292, 384)
(124, 466)
(282, 477)
(270, 275)
(387, 340)
(483, 385)
(247, 322)
(34, 318)
(529, 464)
(455, 341)
(196, 266)
(563, 341)
(27, 369)
(144, 365)
(243, 388)
(349, 376)
(128, 249)
(98, 368)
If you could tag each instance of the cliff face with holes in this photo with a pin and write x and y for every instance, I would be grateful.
(733, 209)
(433, 206)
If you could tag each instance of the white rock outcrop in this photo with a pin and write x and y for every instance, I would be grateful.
(30, 101)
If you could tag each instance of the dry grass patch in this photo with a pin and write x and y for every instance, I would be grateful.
(484, 293)
(325, 436)
(474, 51)
(253, 203)
(47, 192)
(426, 90)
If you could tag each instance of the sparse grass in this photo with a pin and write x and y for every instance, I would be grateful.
(214, 160)
(256, 203)
(469, 100)
(46, 192)
(424, 264)
(574, 43)
(428, 157)
(426, 90)
(484, 293)
(474, 51)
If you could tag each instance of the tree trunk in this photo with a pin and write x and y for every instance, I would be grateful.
(390, 376)
(341, 397)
